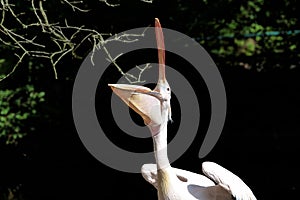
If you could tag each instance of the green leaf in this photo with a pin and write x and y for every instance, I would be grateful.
(293, 47)
(4, 111)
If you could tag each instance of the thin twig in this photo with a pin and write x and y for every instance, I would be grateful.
(109, 4)
(20, 59)
(62, 39)
(74, 8)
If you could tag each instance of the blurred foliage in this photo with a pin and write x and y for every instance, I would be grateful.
(18, 106)
(256, 34)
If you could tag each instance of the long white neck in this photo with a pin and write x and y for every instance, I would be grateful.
(168, 182)
(160, 147)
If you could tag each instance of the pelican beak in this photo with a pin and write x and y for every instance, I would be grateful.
(161, 51)
(142, 100)
(135, 89)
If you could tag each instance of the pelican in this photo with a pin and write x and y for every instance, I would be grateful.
(172, 183)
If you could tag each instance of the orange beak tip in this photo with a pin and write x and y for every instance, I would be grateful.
(157, 23)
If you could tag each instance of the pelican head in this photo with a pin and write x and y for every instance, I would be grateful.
(152, 105)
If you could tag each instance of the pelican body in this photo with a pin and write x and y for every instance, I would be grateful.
(172, 183)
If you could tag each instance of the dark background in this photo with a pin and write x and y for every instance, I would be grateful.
(259, 141)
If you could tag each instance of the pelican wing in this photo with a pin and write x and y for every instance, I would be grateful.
(228, 180)
(215, 192)
(149, 172)
(141, 100)
(192, 178)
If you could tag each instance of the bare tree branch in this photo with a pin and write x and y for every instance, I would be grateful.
(109, 4)
(74, 7)
(147, 1)
(63, 39)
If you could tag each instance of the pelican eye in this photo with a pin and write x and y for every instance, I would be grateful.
(168, 89)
